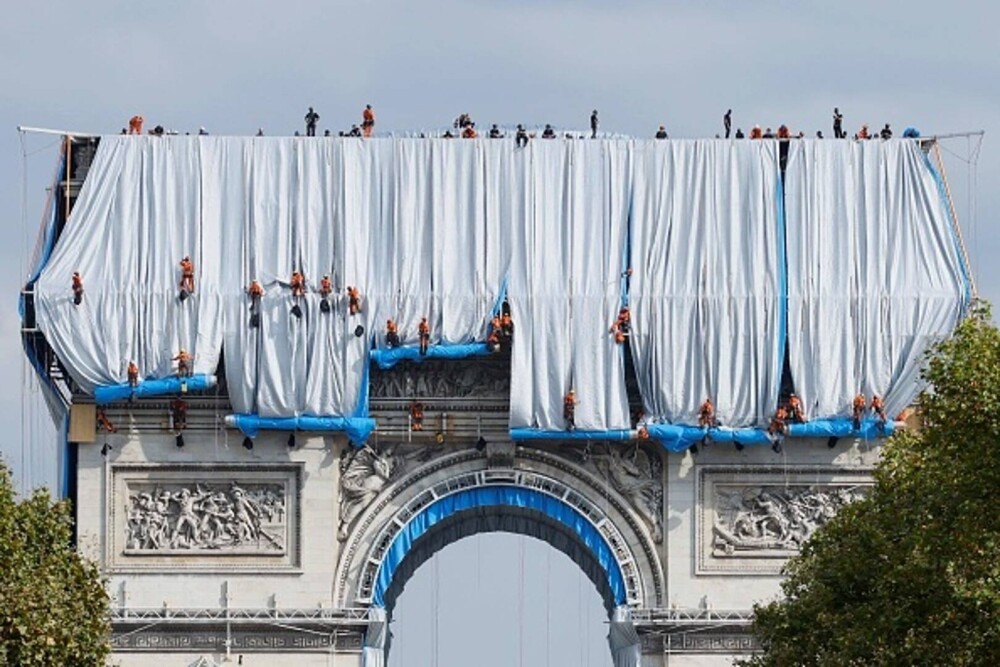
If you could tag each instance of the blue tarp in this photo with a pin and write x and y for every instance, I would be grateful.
(840, 428)
(498, 496)
(357, 428)
(518, 434)
(677, 438)
(388, 357)
(153, 387)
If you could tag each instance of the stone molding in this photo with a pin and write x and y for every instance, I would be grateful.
(451, 464)
(751, 519)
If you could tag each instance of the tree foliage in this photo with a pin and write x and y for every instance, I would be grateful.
(53, 606)
(910, 575)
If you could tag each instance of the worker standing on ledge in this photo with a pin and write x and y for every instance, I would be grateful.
(77, 288)
(424, 332)
(569, 410)
(594, 122)
(311, 118)
(183, 360)
(391, 334)
(135, 124)
(133, 374)
(706, 415)
(879, 409)
(858, 410)
(727, 121)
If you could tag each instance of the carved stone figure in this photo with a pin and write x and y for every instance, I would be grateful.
(212, 518)
(774, 518)
(472, 379)
(632, 471)
(363, 473)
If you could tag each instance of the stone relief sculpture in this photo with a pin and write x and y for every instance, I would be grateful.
(206, 518)
(434, 379)
(774, 518)
(632, 471)
(365, 472)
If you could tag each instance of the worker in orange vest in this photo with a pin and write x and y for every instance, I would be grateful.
(417, 415)
(621, 326)
(187, 277)
(858, 410)
(391, 334)
(179, 409)
(133, 374)
(470, 131)
(105, 423)
(135, 124)
(325, 288)
(569, 410)
(368, 121)
(424, 332)
(879, 409)
(183, 360)
(256, 293)
(298, 284)
(778, 425)
(706, 415)
(77, 288)
(795, 412)
(353, 300)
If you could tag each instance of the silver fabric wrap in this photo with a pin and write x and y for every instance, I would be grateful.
(874, 272)
(705, 288)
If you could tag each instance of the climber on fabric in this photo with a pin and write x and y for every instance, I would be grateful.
(353, 300)
(187, 278)
(77, 288)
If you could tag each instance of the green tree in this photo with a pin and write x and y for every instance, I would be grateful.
(911, 574)
(53, 606)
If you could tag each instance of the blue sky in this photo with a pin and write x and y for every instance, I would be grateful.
(236, 66)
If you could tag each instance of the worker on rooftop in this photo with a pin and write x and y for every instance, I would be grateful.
(661, 133)
(495, 132)
(470, 131)
(521, 137)
(727, 121)
(135, 124)
(838, 124)
(593, 124)
(311, 118)
(548, 132)
(886, 132)
(368, 121)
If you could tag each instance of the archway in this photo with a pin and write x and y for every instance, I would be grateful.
(563, 505)
(495, 600)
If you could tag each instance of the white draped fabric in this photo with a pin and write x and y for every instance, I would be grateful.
(875, 274)
(570, 226)
(435, 228)
(139, 214)
(706, 254)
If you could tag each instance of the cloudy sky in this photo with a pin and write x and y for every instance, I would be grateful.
(235, 66)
